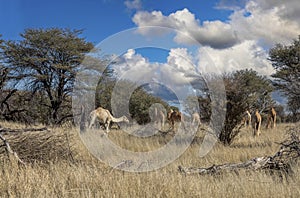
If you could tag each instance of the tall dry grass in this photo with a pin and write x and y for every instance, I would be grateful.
(85, 176)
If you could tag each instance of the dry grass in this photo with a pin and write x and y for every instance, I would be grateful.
(86, 176)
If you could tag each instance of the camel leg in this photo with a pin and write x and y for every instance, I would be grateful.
(258, 128)
(173, 124)
(92, 121)
(107, 126)
(255, 129)
(182, 122)
(269, 122)
(249, 123)
(163, 123)
(274, 121)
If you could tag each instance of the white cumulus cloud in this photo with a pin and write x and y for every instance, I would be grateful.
(212, 33)
(247, 54)
(179, 68)
(266, 21)
(134, 67)
(240, 42)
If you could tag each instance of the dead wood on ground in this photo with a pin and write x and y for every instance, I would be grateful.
(281, 160)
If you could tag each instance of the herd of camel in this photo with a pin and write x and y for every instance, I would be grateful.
(106, 118)
(256, 119)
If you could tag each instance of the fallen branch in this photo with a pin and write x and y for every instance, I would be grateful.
(8, 130)
(251, 164)
(122, 164)
(289, 151)
(9, 150)
(38, 144)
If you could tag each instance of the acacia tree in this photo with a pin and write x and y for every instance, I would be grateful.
(6, 92)
(286, 61)
(245, 90)
(45, 61)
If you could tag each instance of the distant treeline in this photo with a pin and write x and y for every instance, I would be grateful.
(38, 72)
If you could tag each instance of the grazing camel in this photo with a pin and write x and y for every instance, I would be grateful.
(105, 118)
(256, 123)
(169, 115)
(159, 117)
(196, 118)
(247, 119)
(271, 118)
(174, 116)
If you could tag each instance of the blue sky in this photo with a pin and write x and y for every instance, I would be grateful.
(98, 18)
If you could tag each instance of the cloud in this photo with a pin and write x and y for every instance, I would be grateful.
(180, 59)
(178, 74)
(231, 4)
(132, 66)
(133, 4)
(212, 33)
(241, 42)
(178, 70)
(182, 67)
(268, 22)
(182, 72)
(288, 9)
(216, 34)
(247, 54)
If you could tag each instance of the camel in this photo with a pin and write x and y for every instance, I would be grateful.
(271, 118)
(196, 118)
(256, 122)
(247, 119)
(169, 115)
(174, 116)
(105, 118)
(159, 117)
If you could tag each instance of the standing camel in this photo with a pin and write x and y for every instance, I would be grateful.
(169, 115)
(256, 123)
(174, 116)
(196, 118)
(247, 119)
(158, 117)
(271, 118)
(105, 118)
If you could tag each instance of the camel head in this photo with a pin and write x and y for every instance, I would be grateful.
(125, 119)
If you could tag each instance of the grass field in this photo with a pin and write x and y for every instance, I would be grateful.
(85, 176)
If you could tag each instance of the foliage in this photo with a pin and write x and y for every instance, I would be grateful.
(245, 90)
(104, 89)
(46, 61)
(140, 103)
(286, 61)
(6, 92)
(204, 106)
